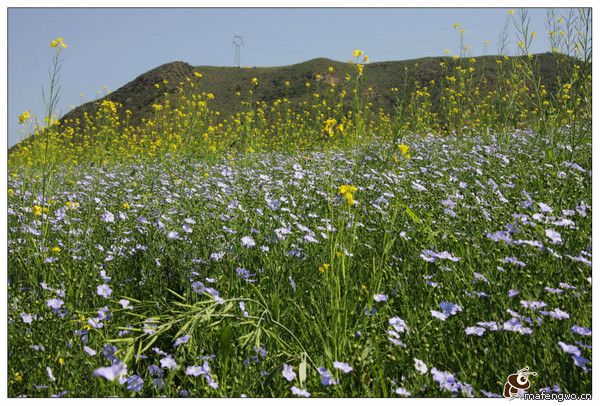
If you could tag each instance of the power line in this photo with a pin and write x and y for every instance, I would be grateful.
(224, 55)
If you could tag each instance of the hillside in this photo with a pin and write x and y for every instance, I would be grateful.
(139, 94)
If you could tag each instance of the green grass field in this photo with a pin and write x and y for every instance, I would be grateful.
(310, 248)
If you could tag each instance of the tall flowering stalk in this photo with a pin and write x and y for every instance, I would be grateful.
(53, 92)
(51, 100)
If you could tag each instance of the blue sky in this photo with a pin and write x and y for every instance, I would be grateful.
(110, 47)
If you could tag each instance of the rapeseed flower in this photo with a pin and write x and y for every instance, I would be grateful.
(58, 42)
(24, 116)
(348, 192)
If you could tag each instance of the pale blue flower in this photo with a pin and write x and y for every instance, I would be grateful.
(104, 290)
(402, 392)
(300, 392)
(181, 340)
(342, 366)
(168, 362)
(112, 372)
(554, 236)
(584, 331)
(125, 304)
(108, 217)
(27, 318)
(570, 349)
(439, 315)
(475, 330)
(248, 242)
(50, 374)
(398, 324)
(326, 377)
(54, 304)
(288, 372)
(420, 366)
(532, 304)
(135, 383)
(89, 351)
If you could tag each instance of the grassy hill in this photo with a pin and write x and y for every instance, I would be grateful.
(139, 94)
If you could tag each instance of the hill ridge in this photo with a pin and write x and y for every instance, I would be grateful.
(141, 93)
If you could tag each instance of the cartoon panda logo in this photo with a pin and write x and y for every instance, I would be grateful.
(517, 382)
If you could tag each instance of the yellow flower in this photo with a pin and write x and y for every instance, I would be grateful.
(329, 126)
(403, 149)
(349, 198)
(126, 205)
(198, 74)
(330, 69)
(56, 249)
(360, 67)
(37, 210)
(58, 42)
(61, 361)
(18, 377)
(109, 106)
(255, 81)
(348, 192)
(347, 189)
(157, 107)
(511, 12)
(357, 53)
(11, 192)
(365, 58)
(24, 116)
(324, 268)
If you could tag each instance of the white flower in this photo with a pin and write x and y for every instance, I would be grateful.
(420, 366)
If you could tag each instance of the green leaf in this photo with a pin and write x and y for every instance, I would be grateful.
(413, 215)
(225, 343)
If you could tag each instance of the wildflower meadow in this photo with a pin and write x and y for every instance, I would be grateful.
(323, 248)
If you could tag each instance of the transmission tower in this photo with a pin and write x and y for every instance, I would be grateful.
(238, 41)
